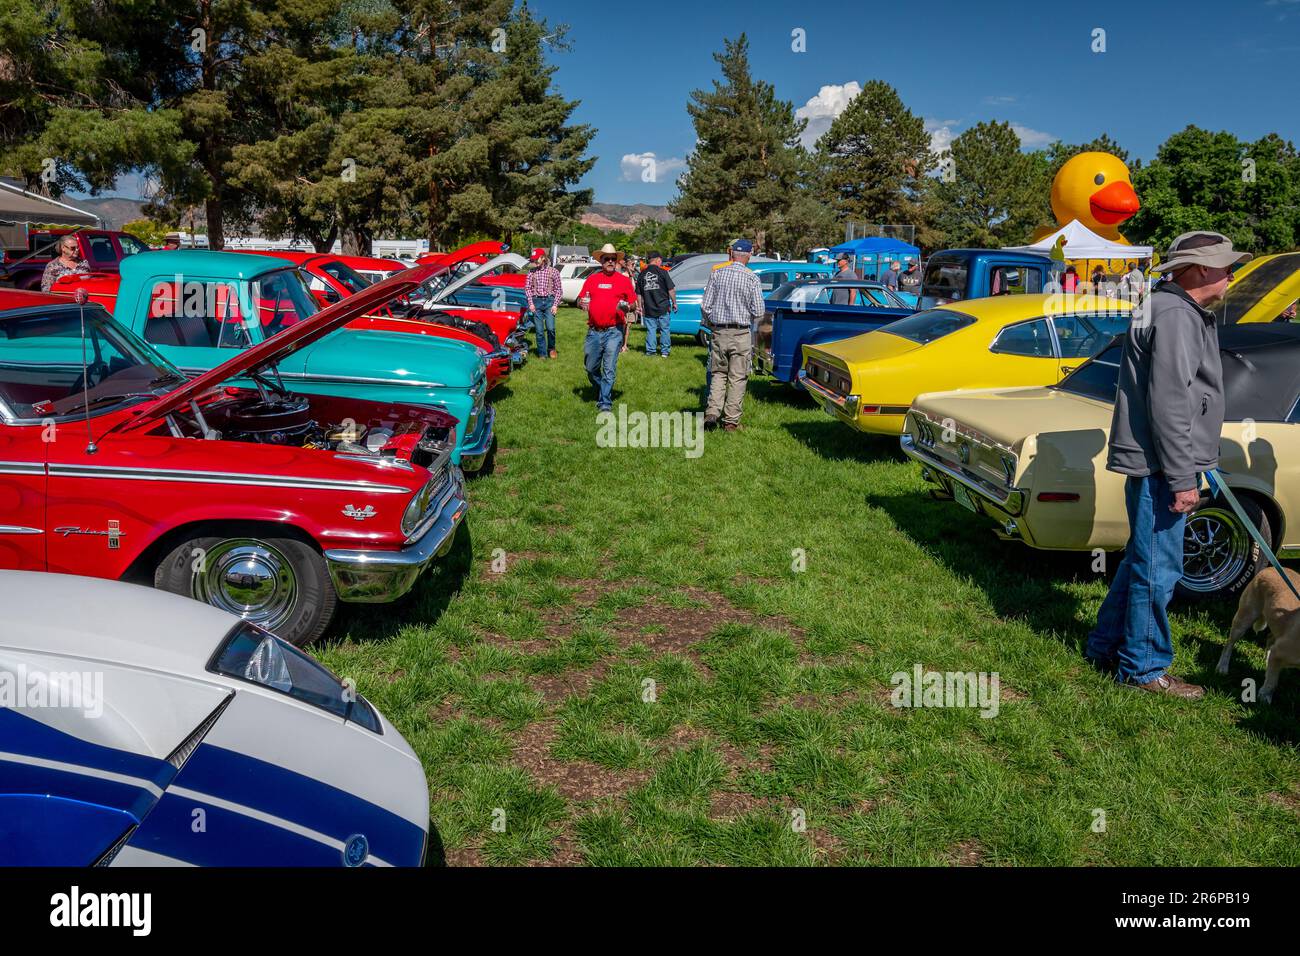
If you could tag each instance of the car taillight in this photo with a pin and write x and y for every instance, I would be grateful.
(1057, 496)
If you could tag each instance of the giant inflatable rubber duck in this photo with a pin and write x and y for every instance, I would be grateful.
(1095, 189)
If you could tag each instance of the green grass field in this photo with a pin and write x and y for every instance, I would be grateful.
(519, 669)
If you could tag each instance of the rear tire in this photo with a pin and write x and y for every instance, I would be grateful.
(1219, 555)
(281, 584)
(702, 338)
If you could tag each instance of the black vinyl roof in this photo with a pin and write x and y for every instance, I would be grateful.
(1261, 371)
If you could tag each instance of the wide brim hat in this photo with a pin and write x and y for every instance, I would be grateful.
(1215, 255)
(608, 250)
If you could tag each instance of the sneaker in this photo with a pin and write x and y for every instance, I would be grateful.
(663, 355)
(1173, 687)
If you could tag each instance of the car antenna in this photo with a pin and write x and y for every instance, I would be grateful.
(91, 447)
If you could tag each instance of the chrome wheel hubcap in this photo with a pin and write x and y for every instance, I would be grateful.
(1216, 549)
(249, 578)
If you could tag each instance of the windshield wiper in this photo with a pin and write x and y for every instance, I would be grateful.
(108, 398)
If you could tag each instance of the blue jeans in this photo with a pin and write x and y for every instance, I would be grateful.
(600, 355)
(1133, 626)
(544, 323)
(656, 329)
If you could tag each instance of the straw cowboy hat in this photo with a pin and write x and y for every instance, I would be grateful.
(1201, 248)
(608, 250)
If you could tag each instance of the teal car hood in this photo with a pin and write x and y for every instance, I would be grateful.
(397, 358)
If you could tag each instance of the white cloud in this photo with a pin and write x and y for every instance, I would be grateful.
(637, 166)
(941, 134)
(821, 110)
(1030, 138)
(999, 100)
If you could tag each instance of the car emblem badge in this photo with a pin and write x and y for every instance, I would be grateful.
(360, 514)
(114, 535)
(356, 850)
(963, 452)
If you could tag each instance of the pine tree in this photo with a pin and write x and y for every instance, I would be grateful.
(743, 178)
(990, 194)
(874, 158)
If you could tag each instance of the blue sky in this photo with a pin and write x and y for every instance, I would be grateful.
(1230, 64)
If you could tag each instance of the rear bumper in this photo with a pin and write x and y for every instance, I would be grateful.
(995, 502)
(378, 577)
(473, 455)
(764, 363)
(845, 406)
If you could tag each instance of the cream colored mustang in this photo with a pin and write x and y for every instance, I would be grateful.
(1034, 459)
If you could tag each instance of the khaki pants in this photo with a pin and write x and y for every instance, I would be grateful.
(730, 351)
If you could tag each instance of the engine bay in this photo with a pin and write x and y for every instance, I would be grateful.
(270, 418)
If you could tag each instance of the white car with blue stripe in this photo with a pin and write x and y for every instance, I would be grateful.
(140, 728)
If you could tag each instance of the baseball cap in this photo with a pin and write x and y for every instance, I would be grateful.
(741, 245)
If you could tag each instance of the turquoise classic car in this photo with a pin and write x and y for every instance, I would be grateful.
(196, 306)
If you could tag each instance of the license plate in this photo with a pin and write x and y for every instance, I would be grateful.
(962, 497)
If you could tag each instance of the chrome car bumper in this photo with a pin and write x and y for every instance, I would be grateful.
(1011, 501)
(473, 456)
(848, 404)
(764, 364)
(378, 577)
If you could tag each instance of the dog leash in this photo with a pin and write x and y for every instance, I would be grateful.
(1220, 487)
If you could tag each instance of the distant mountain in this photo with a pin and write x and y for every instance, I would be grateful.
(115, 211)
(610, 215)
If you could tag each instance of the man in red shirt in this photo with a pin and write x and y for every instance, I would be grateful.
(607, 296)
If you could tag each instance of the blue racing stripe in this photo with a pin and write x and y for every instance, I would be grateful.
(25, 735)
(282, 793)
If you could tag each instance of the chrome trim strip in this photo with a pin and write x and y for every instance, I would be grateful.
(1012, 502)
(22, 467)
(224, 478)
(847, 404)
(305, 377)
(18, 529)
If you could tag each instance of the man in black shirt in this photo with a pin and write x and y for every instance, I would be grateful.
(656, 296)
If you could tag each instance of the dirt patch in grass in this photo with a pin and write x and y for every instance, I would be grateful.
(728, 804)
(965, 853)
(531, 646)
(465, 856)
(556, 688)
(577, 780)
(1289, 800)
(565, 851)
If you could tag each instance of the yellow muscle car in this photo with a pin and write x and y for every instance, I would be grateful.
(1262, 289)
(1034, 459)
(869, 381)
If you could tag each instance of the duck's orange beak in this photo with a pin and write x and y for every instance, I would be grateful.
(1113, 204)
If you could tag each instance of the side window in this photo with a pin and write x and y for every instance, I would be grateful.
(1028, 338)
(1014, 280)
(101, 249)
(195, 315)
(770, 280)
(1083, 336)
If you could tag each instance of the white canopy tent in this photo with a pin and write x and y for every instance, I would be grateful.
(1082, 243)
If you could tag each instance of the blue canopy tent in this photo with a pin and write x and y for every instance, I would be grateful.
(872, 255)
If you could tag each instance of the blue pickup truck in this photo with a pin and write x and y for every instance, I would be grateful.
(955, 275)
(689, 279)
(809, 313)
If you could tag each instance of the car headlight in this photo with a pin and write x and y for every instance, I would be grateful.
(259, 657)
(415, 511)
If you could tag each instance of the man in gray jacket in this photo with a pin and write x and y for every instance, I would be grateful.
(1165, 432)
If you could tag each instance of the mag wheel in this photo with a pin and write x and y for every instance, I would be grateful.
(278, 583)
(1219, 555)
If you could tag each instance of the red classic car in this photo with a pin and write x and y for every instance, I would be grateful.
(333, 278)
(265, 503)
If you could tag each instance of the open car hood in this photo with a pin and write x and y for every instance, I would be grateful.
(507, 258)
(278, 347)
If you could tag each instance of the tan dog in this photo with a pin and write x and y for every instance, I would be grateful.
(1268, 603)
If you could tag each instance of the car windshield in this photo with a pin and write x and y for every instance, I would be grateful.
(352, 280)
(926, 327)
(944, 282)
(130, 245)
(283, 299)
(47, 370)
(1098, 377)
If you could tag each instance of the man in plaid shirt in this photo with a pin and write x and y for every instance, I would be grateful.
(542, 289)
(733, 300)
